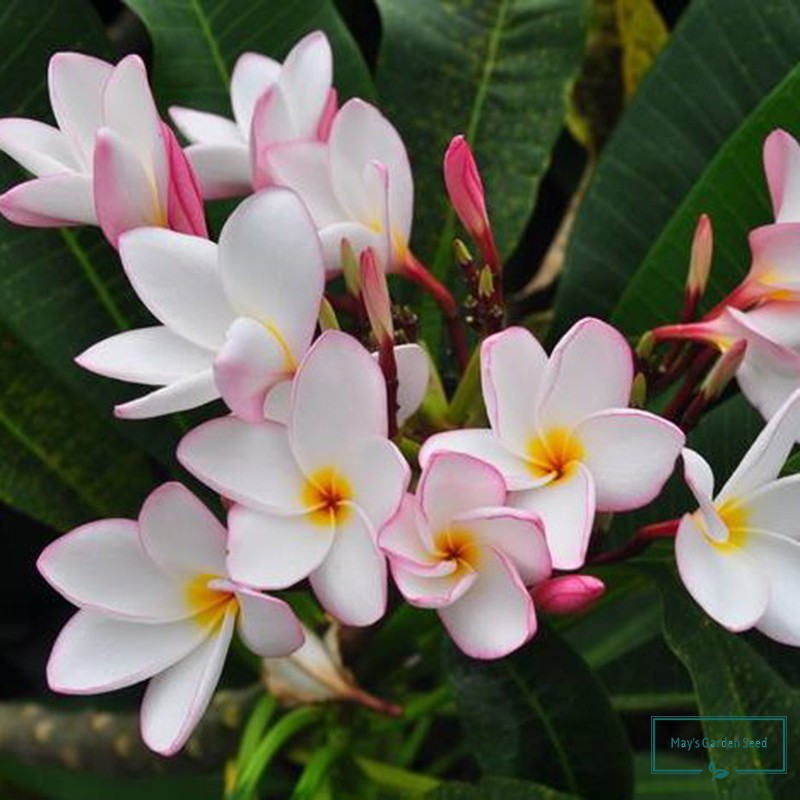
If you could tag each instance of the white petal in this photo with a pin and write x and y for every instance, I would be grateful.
(180, 533)
(154, 356)
(272, 122)
(566, 507)
(485, 446)
(305, 79)
(50, 202)
(96, 653)
(176, 277)
(513, 365)
(186, 393)
(698, 473)
(782, 166)
(726, 583)
(274, 552)
(413, 374)
(590, 369)
(360, 237)
(351, 581)
(272, 267)
(267, 625)
(338, 401)
(251, 464)
(200, 127)
(431, 591)
(76, 84)
(252, 75)
(41, 149)
(777, 320)
(455, 483)
(278, 402)
(223, 170)
(774, 507)
(176, 700)
(630, 454)
(102, 566)
(401, 538)
(496, 616)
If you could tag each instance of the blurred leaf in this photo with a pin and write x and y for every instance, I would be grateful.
(197, 42)
(496, 789)
(643, 34)
(732, 190)
(669, 787)
(495, 70)
(721, 60)
(540, 714)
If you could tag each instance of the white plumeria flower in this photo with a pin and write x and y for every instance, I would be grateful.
(358, 185)
(562, 435)
(456, 547)
(156, 602)
(782, 167)
(236, 318)
(739, 553)
(271, 103)
(311, 495)
(111, 161)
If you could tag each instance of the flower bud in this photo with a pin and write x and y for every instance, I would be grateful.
(375, 294)
(724, 371)
(702, 252)
(327, 317)
(568, 594)
(350, 269)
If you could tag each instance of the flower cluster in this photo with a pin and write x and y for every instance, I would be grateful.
(311, 456)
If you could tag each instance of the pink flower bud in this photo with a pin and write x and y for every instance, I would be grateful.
(569, 594)
(702, 251)
(185, 212)
(375, 294)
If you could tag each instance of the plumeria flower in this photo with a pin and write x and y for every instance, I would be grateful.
(156, 602)
(561, 433)
(456, 547)
(358, 185)
(272, 103)
(782, 168)
(110, 162)
(311, 495)
(236, 318)
(739, 553)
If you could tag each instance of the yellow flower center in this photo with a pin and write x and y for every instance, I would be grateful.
(208, 605)
(457, 545)
(326, 495)
(554, 452)
(734, 515)
(289, 361)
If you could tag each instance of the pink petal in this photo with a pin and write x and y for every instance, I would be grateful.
(41, 149)
(401, 538)
(568, 594)
(431, 591)
(305, 79)
(272, 123)
(776, 264)
(782, 166)
(185, 212)
(267, 625)
(328, 115)
(252, 75)
(54, 201)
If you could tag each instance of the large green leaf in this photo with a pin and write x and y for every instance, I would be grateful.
(496, 789)
(197, 43)
(496, 70)
(733, 192)
(731, 678)
(721, 60)
(541, 714)
(670, 787)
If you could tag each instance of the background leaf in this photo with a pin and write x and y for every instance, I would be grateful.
(496, 789)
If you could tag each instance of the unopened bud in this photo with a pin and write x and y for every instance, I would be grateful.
(638, 391)
(375, 294)
(486, 282)
(327, 317)
(350, 269)
(644, 348)
(462, 254)
(700, 261)
(568, 594)
(724, 371)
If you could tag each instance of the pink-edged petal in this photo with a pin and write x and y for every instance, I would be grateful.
(41, 149)
(305, 79)
(496, 616)
(328, 115)
(782, 167)
(222, 170)
(778, 558)
(274, 552)
(700, 480)
(76, 83)
(726, 583)
(304, 167)
(351, 581)
(154, 356)
(630, 454)
(360, 237)
(179, 533)
(185, 210)
(177, 278)
(518, 535)
(433, 590)
(268, 625)
(95, 653)
(590, 369)
(252, 75)
(182, 395)
(413, 374)
(776, 264)
(102, 566)
(400, 538)
(454, 483)
(567, 508)
(201, 127)
(54, 201)
(483, 445)
(767, 455)
(338, 401)
(513, 364)
(176, 699)
(251, 464)
(272, 267)
(278, 402)
(123, 191)
(776, 320)
(774, 507)
(272, 122)
(249, 364)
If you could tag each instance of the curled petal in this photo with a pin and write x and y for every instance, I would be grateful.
(267, 625)
(54, 201)
(182, 395)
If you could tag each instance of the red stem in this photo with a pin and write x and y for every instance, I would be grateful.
(644, 537)
(696, 371)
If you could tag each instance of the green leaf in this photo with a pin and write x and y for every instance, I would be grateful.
(731, 678)
(197, 42)
(670, 787)
(496, 789)
(495, 70)
(540, 714)
(722, 59)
